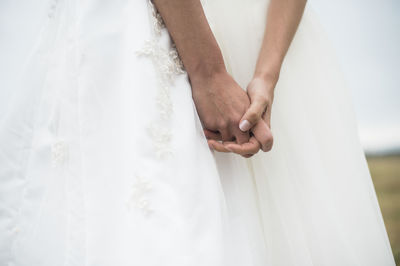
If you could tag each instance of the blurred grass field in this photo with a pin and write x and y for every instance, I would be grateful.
(385, 172)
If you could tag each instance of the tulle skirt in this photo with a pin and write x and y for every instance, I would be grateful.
(103, 160)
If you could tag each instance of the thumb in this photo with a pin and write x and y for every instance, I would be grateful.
(252, 115)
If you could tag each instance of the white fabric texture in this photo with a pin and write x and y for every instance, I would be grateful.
(103, 160)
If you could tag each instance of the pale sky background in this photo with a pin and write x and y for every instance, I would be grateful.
(365, 33)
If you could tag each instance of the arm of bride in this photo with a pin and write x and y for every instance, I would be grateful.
(219, 100)
(282, 21)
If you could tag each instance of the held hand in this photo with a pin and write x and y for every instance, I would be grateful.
(261, 138)
(257, 118)
(220, 103)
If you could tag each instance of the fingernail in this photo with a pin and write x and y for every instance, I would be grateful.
(244, 125)
(227, 147)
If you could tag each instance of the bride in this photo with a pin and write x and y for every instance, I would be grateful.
(123, 147)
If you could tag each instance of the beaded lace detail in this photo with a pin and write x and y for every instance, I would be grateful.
(138, 198)
(168, 65)
(158, 22)
(167, 61)
(59, 152)
(161, 140)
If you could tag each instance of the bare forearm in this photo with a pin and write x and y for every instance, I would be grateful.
(188, 26)
(283, 19)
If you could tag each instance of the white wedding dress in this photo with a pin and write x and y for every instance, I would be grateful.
(103, 161)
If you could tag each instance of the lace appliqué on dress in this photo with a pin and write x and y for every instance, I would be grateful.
(167, 62)
(161, 140)
(168, 65)
(158, 22)
(59, 152)
(138, 198)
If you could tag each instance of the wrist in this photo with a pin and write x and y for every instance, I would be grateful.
(268, 76)
(206, 71)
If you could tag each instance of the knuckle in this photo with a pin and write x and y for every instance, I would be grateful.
(268, 143)
(270, 138)
(234, 121)
(256, 149)
(268, 148)
(262, 101)
(208, 122)
(222, 124)
(253, 116)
